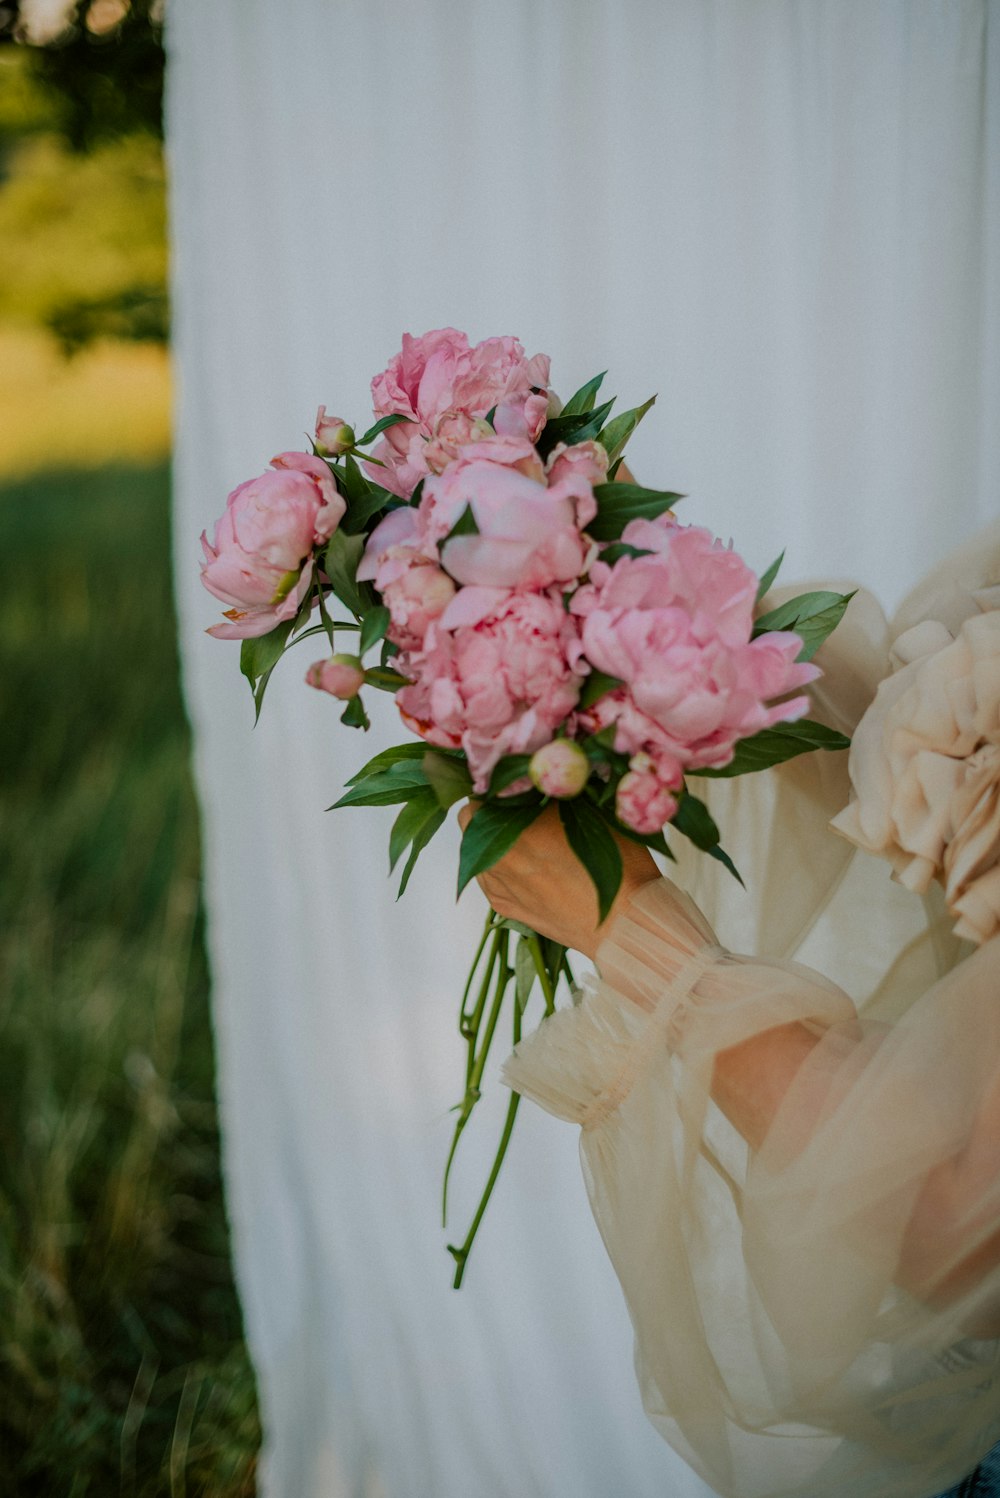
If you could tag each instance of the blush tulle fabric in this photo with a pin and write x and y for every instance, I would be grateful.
(776, 1347)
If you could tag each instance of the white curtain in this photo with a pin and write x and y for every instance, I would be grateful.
(782, 217)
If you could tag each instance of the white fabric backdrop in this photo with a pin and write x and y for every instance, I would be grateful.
(781, 216)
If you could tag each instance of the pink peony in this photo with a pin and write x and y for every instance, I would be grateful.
(341, 675)
(500, 686)
(414, 588)
(528, 533)
(675, 627)
(418, 594)
(560, 769)
(453, 431)
(446, 387)
(260, 561)
(586, 460)
(642, 801)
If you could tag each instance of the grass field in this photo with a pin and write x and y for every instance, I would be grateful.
(122, 1366)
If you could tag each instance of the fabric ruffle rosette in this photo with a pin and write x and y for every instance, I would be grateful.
(925, 768)
(555, 638)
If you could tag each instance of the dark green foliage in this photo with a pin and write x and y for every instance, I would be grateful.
(122, 1365)
(102, 84)
(138, 314)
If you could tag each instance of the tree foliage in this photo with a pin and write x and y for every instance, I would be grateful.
(102, 73)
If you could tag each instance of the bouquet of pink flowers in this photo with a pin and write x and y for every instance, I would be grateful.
(551, 632)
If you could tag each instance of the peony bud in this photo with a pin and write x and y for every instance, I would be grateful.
(342, 676)
(559, 769)
(642, 801)
(333, 435)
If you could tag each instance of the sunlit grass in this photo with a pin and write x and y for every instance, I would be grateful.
(122, 1366)
(109, 403)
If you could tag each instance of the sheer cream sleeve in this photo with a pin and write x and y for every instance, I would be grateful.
(807, 1320)
(817, 1310)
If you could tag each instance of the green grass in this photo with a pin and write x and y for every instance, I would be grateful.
(122, 1366)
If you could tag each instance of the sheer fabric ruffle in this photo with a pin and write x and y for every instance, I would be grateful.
(775, 1348)
(817, 1317)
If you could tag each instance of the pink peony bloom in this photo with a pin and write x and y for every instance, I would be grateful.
(416, 595)
(453, 431)
(675, 628)
(586, 460)
(341, 675)
(528, 533)
(333, 435)
(643, 802)
(446, 387)
(560, 769)
(260, 561)
(414, 588)
(500, 686)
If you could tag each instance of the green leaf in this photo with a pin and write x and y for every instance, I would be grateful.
(400, 782)
(812, 616)
(601, 744)
(340, 563)
(617, 504)
(384, 679)
(583, 401)
(773, 746)
(383, 423)
(767, 578)
(617, 432)
(354, 715)
(509, 924)
(591, 840)
(408, 823)
(525, 973)
(491, 832)
(259, 656)
(449, 779)
(613, 469)
(465, 525)
(694, 819)
(723, 857)
(652, 840)
(570, 429)
(364, 499)
(433, 823)
(512, 767)
(611, 554)
(597, 685)
(373, 627)
(386, 758)
(361, 512)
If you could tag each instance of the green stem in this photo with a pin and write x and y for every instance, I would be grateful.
(476, 1063)
(463, 1017)
(503, 978)
(548, 980)
(461, 1255)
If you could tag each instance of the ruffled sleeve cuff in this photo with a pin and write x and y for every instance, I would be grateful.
(665, 984)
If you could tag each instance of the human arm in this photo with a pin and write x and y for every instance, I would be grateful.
(759, 1279)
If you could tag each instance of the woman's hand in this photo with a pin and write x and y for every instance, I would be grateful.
(542, 883)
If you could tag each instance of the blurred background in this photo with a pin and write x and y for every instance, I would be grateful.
(122, 1363)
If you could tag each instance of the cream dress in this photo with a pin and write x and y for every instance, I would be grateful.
(775, 1349)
